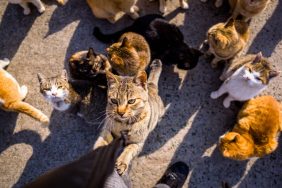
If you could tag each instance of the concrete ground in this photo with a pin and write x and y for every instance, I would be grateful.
(191, 126)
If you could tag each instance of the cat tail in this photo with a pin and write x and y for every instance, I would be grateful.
(29, 110)
(108, 38)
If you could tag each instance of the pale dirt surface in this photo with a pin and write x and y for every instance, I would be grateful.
(190, 128)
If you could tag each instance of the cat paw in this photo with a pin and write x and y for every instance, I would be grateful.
(26, 11)
(134, 15)
(136, 9)
(184, 5)
(44, 120)
(218, 3)
(226, 103)
(163, 10)
(42, 9)
(121, 166)
(156, 64)
(214, 95)
(24, 91)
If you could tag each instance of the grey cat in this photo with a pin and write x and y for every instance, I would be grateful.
(81, 98)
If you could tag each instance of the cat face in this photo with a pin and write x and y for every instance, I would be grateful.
(223, 37)
(258, 72)
(54, 89)
(234, 146)
(127, 97)
(86, 66)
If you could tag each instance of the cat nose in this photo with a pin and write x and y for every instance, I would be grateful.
(121, 113)
(54, 94)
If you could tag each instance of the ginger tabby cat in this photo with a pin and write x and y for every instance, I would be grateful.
(255, 134)
(130, 54)
(133, 106)
(11, 95)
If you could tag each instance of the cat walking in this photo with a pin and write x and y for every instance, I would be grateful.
(12, 95)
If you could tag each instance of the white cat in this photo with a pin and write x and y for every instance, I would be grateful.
(251, 77)
(39, 5)
(163, 6)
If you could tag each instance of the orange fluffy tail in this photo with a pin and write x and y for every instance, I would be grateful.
(29, 110)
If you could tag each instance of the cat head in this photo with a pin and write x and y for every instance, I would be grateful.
(127, 97)
(259, 71)
(186, 57)
(120, 51)
(54, 89)
(223, 36)
(234, 146)
(86, 64)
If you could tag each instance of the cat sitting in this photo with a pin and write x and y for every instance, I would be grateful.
(163, 5)
(113, 10)
(12, 95)
(86, 65)
(129, 55)
(255, 134)
(245, 78)
(165, 40)
(39, 5)
(135, 107)
(226, 40)
(77, 97)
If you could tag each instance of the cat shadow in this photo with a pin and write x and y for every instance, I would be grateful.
(268, 167)
(60, 147)
(14, 27)
(271, 32)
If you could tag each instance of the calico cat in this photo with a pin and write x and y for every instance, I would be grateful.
(163, 5)
(86, 65)
(255, 134)
(39, 5)
(129, 55)
(165, 40)
(245, 78)
(227, 40)
(12, 95)
(86, 101)
(113, 10)
(133, 106)
(247, 8)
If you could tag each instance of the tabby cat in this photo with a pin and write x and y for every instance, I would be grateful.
(245, 78)
(227, 40)
(129, 55)
(163, 5)
(165, 40)
(247, 8)
(12, 95)
(39, 5)
(86, 65)
(133, 106)
(255, 134)
(86, 101)
(113, 10)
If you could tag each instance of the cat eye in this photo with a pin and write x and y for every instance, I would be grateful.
(60, 87)
(114, 101)
(131, 101)
(258, 78)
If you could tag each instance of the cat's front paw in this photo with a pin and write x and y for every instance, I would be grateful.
(214, 95)
(42, 9)
(44, 119)
(121, 165)
(156, 64)
(184, 5)
(26, 11)
(226, 103)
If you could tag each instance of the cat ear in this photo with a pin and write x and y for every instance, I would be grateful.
(64, 75)
(41, 78)
(258, 58)
(90, 53)
(230, 23)
(125, 42)
(273, 74)
(111, 78)
(141, 79)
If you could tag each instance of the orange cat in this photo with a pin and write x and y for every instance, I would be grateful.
(255, 134)
(11, 95)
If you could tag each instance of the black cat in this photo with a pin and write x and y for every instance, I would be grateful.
(166, 40)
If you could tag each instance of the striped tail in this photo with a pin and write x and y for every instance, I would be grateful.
(29, 110)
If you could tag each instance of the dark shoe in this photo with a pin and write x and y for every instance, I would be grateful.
(175, 175)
